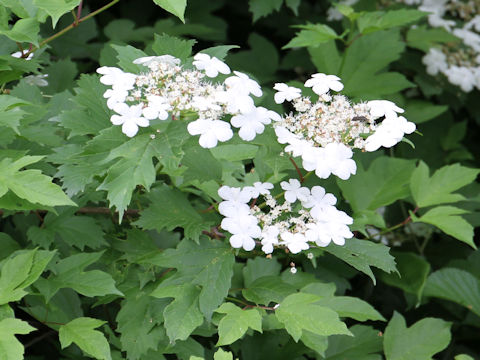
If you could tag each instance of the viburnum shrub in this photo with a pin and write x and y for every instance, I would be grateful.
(308, 194)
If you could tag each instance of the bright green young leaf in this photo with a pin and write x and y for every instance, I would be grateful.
(318, 343)
(10, 347)
(385, 181)
(21, 271)
(412, 273)
(126, 55)
(463, 357)
(298, 312)
(351, 307)
(261, 8)
(362, 254)
(169, 45)
(56, 8)
(312, 35)
(326, 57)
(267, 289)
(10, 113)
(31, 184)
(209, 264)
(180, 213)
(236, 323)
(24, 30)
(81, 332)
(225, 355)
(455, 285)
(175, 7)
(447, 219)
(438, 188)
(382, 20)
(364, 344)
(421, 341)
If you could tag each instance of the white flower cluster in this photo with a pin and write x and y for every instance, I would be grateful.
(323, 133)
(170, 89)
(315, 220)
(460, 64)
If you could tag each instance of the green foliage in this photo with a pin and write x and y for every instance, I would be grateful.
(10, 347)
(236, 322)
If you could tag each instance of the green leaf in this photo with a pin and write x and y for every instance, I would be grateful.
(326, 57)
(169, 45)
(413, 271)
(420, 111)
(446, 219)
(182, 315)
(126, 55)
(21, 271)
(10, 347)
(235, 152)
(311, 35)
(365, 342)
(315, 342)
(225, 355)
(455, 285)
(438, 189)
(267, 289)
(236, 323)
(423, 37)
(56, 8)
(351, 307)
(10, 113)
(81, 332)
(385, 181)
(381, 20)
(180, 213)
(31, 185)
(200, 164)
(7, 245)
(175, 7)
(261, 8)
(209, 264)
(463, 357)
(298, 312)
(260, 267)
(363, 72)
(362, 254)
(420, 341)
(24, 30)
(220, 52)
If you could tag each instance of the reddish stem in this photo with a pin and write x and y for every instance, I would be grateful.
(302, 179)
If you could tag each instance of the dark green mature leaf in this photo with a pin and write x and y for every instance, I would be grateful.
(175, 7)
(21, 271)
(56, 8)
(364, 344)
(381, 20)
(421, 341)
(427, 191)
(200, 164)
(7, 245)
(236, 323)
(326, 57)
(420, 111)
(319, 343)
(261, 8)
(81, 332)
(423, 37)
(208, 263)
(169, 45)
(183, 314)
(385, 181)
(412, 273)
(220, 52)
(455, 285)
(267, 289)
(446, 219)
(78, 231)
(260, 267)
(298, 312)
(362, 254)
(126, 55)
(312, 35)
(365, 60)
(234, 152)
(170, 209)
(10, 347)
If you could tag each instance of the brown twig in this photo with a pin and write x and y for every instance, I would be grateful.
(302, 179)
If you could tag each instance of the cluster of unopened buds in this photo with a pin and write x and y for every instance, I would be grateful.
(306, 217)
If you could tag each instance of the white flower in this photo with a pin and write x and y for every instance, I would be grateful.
(331, 225)
(283, 135)
(321, 83)
(242, 84)
(294, 242)
(235, 194)
(244, 229)
(211, 65)
(285, 92)
(157, 108)
(298, 147)
(115, 77)
(269, 238)
(461, 76)
(389, 133)
(260, 188)
(379, 108)
(436, 61)
(335, 158)
(202, 103)
(37, 80)
(19, 54)
(115, 97)
(318, 201)
(210, 131)
(252, 122)
(147, 60)
(294, 190)
(130, 118)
